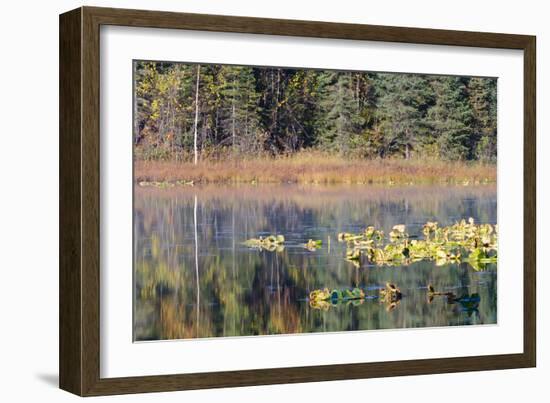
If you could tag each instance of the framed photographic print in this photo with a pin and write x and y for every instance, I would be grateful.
(250, 201)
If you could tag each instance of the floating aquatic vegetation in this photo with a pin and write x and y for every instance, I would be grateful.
(324, 298)
(391, 293)
(353, 255)
(336, 294)
(271, 243)
(156, 184)
(368, 237)
(320, 304)
(468, 303)
(464, 241)
(398, 232)
(319, 295)
(312, 245)
(433, 293)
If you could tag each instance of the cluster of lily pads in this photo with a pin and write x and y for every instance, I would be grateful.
(465, 241)
(325, 298)
(272, 243)
(275, 243)
(390, 295)
(313, 245)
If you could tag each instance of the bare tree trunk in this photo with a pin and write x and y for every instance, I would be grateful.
(196, 113)
(197, 265)
(135, 113)
(277, 98)
(233, 118)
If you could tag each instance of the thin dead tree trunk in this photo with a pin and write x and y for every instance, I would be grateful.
(277, 98)
(197, 264)
(135, 113)
(196, 113)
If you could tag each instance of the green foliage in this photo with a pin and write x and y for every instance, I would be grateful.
(464, 241)
(262, 110)
(403, 101)
(482, 97)
(338, 114)
(324, 298)
(237, 110)
(313, 245)
(271, 243)
(451, 119)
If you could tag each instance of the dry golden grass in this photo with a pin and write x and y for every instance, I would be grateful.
(316, 168)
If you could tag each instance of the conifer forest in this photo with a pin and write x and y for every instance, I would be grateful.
(250, 111)
(278, 200)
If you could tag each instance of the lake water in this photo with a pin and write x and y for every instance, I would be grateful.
(194, 278)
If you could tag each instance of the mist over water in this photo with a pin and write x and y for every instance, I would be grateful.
(194, 278)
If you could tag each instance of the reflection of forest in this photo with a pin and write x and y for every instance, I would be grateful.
(247, 292)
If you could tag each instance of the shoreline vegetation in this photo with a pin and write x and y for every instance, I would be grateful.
(258, 187)
(272, 124)
(313, 168)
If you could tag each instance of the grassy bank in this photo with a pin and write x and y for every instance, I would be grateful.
(315, 168)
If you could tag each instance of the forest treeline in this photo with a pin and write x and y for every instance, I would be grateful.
(243, 111)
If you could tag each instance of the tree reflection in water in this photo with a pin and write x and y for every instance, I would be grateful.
(195, 278)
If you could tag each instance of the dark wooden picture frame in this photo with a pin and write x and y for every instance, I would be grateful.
(79, 317)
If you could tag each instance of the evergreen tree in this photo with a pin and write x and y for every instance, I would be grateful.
(403, 102)
(482, 97)
(296, 110)
(239, 109)
(249, 110)
(339, 117)
(451, 118)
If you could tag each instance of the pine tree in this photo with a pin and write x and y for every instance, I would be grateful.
(339, 119)
(250, 110)
(296, 108)
(403, 101)
(239, 109)
(158, 101)
(451, 118)
(482, 96)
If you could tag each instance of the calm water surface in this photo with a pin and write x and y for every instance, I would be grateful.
(194, 278)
